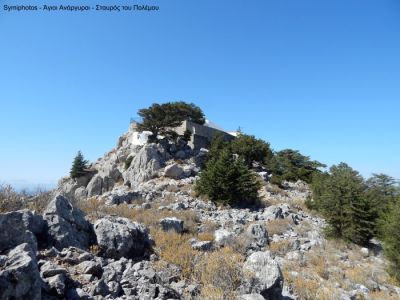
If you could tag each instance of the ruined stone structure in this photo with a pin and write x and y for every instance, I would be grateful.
(201, 136)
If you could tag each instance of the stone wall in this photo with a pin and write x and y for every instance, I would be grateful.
(201, 135)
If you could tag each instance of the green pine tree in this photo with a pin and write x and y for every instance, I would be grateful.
(226, 180)
(390, 233)
(251, 149)
(341, 198)
(79, 166)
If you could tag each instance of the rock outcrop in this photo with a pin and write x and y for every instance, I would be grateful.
(148, 160)
(264, 276)
(67, 225)
(174, 224)
(118, 237)
(19, 227)
(19, 275)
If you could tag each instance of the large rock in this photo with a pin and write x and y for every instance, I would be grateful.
(95, 186)
(263, 276)
(108, 174)
(223, 237)
(145, 164)
(257, 235)
(118, 237)
(200, 158)
(19, 274)
(68, 186)
(201, 245)
(174, 224)
(19, 227)
(67, 225)
(274, 212)
(119, 196)
(173, 171)
(80, 194)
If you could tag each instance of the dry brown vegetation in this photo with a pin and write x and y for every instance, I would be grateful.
(220, 273)
(279, 248)
(278, 226)
(11, 200)
(176, 249)
(95, 208)
(323, 269)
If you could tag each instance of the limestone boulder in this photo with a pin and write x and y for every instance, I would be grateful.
(67, 225)
(223, 237)
(19, 274)
(145, 163)
(257, 235)
(173, 171)
(19, 227)
(263, 276)
(174, 224)
(119, 237)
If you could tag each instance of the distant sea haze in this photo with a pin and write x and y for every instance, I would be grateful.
(29, 186)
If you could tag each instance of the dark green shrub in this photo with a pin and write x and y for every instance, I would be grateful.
(187, 135)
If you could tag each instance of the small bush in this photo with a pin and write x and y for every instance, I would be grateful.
(175, 249)
(220, 273)
(278, 226)
(187, 135)
(93, 207)
(280, 247)
(11, 200)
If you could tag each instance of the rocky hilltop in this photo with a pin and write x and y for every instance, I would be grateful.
(133, 228)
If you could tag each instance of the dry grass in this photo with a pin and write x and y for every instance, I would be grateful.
(172, 188)
(278, 226)
(175, 249)
(205, 236)
(279, 248)
(319, 263)
(306, 285)
(332, 264)
(299, 205)
(303, 228)
(11, 200)
(220, 274)
(240, 243)
(383, 295)
(92, 207)
(149, 217)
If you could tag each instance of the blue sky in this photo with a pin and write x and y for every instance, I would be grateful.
(322, 77)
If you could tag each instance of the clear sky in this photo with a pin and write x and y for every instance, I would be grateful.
(322, 77)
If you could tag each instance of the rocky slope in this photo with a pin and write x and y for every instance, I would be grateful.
(133, 229)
